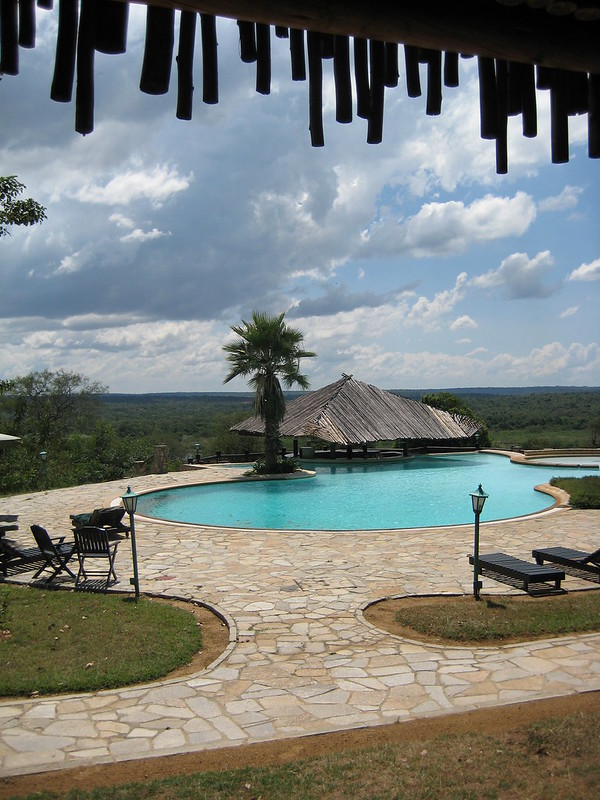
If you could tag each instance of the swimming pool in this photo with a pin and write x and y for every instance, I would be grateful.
(418, 492)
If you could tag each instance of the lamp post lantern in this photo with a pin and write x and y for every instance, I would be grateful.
(197, 446)
(130, 504)
(478, 499)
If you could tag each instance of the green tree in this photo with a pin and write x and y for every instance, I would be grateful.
(46, 406)
(267, 349)
(16, 211)
(446, 401)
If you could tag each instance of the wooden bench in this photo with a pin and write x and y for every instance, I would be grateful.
(520, 574)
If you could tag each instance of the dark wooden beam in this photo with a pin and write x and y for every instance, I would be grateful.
(477, 27)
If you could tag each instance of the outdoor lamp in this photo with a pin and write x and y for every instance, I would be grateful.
(478, 499)
(43, 457)
(197, 446)
(130, 504)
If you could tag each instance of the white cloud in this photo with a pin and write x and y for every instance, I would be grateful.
(568, 198)
(429, 313)
(586, 272)
(70, 263)
(157, 185)
(121, 221)
(465, 321)
(138, 235)
(569, 312)
(520, 276)
(451, 227)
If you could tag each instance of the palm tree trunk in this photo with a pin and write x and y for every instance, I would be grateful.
(271, 443)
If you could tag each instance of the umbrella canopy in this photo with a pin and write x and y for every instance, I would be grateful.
(351, 412)
(6, 440)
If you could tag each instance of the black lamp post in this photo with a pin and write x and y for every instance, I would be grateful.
(130, 504)
(478, 498)
(43, 455)
(197, 446)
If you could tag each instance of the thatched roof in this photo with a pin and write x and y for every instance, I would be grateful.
(559, 37)
(351, 412)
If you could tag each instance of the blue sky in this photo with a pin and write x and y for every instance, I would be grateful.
(410, 264)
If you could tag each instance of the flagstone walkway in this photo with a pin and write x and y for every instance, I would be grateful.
(301, 658)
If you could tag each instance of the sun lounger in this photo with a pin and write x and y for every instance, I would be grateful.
(575, 562)
(531, 578)
(108, 518)
(13, 555)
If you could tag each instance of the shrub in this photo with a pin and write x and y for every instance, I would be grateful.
(584, 492)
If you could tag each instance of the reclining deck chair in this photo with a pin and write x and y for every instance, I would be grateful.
(93, 543)
(108, 518)
(520, 574)
(13, 555)
(56, 553)
(576, 562)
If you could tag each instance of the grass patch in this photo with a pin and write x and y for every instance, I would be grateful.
(465, 620)
(57, 641)
(555, 758)
(584, 492)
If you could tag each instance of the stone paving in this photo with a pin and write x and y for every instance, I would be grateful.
(301, 659)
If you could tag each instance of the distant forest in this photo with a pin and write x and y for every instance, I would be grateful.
(528, 418)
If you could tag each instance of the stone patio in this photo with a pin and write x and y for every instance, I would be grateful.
(301, 658)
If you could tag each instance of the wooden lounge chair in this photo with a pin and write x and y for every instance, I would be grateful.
(575, 562)
(12, 555)
(108, 518)
(93, 543)
(8, 522)
(520, 574)
(56, 553)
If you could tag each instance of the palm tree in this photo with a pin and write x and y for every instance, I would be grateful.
(268, 349)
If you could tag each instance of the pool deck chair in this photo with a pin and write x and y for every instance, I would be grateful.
(93, 543)
(14, 556)
(108, 518)
(574, 562)
(55, 552)
(531, 578)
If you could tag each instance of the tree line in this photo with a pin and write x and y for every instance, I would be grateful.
(89, 435)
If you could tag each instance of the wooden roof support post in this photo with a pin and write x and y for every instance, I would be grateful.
(297, 57)
(158, 50)
(111, 27)
(263, 58)
(66, 49)
(84, 93)
(361, 76)
(343, 84)
(594, 116)
(210, 65)
(9, 37)
(27, 23)
(377, 91)
(185, 64)
(315, 89)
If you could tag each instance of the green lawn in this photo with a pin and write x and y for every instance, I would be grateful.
(59, 641)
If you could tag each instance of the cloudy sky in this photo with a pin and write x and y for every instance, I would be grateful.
(410, 264)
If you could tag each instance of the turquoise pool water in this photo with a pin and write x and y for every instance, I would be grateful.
(420, 492)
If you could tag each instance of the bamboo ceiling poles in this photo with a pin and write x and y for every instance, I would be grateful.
(507, 87)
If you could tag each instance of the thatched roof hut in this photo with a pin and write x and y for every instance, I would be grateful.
(521, 47)
(349, 412)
